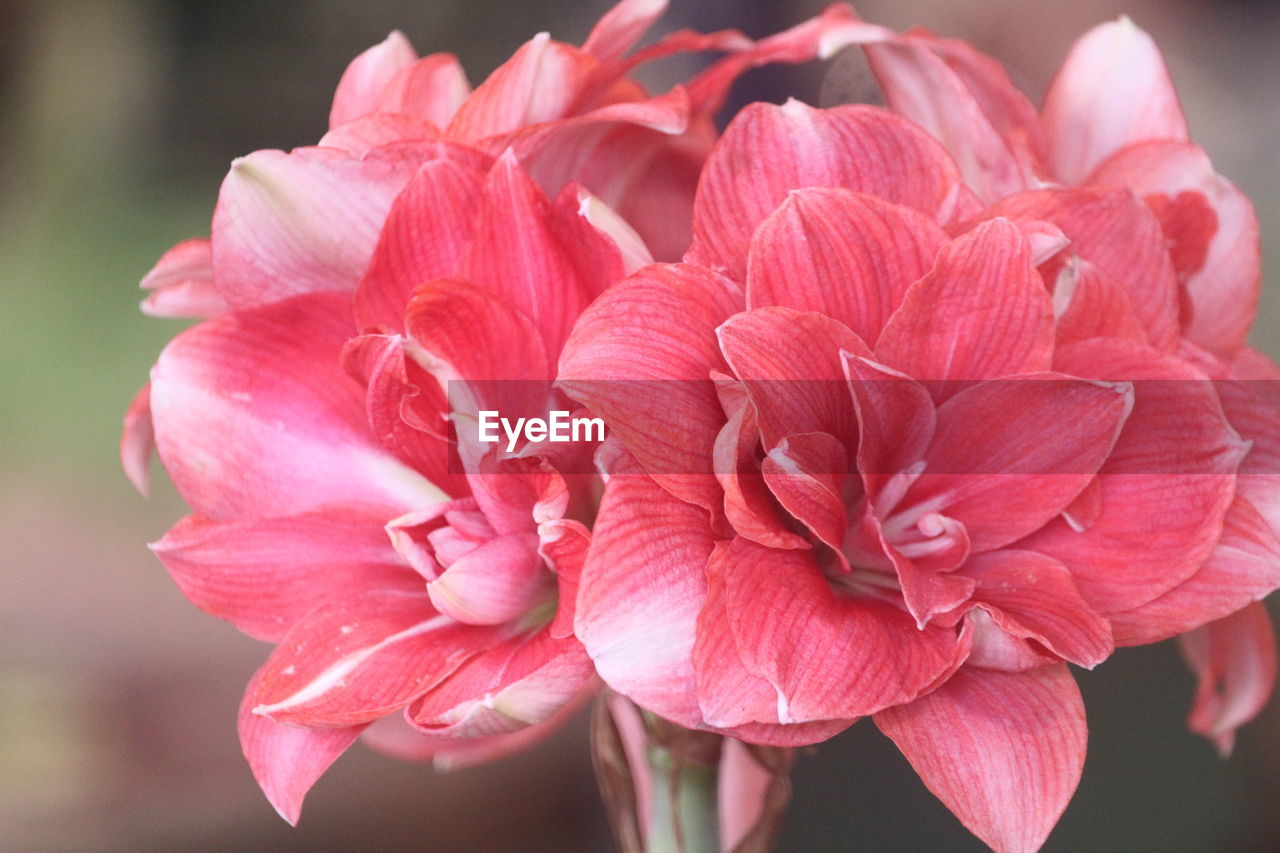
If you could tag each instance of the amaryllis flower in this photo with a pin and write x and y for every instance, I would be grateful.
(868, 461)
(1109, 162)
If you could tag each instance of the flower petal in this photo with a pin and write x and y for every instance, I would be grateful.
(1235, 659)
(138, 441)
(432, 89)
(1113, 90)
(621, 27)
(181, 283)
(254, 416)
(1003, 751)
(361, 86)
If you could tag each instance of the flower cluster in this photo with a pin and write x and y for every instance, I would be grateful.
(907, 409)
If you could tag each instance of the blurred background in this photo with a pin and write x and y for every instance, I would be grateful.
(118, 119)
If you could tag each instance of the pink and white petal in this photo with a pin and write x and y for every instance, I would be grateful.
(839, 253)
(1091, 304)
(806, 472)
(424, 237)
(181, 283)
(1034, 598)
(1003, 751)
(431, 89)
(1112, 229)
(304, 221)
(791, 364)
(1007, 477)
(375, 130)
(769, 150)
(355, 660)
(287, 760)
(1213, 231)
(827, 656)
(622, 26)
(266, 575)
(641, 590)
(1165, 487)
(563, 543)
(896, 423)
(138, 441)
(1113, 90)
(981, 312)
(495, 583)
(640, 358)
(1242, 568)
(254, 416)
(361, 86)
(1235, 660)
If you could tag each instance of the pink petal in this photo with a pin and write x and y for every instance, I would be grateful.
(1113, 90)
(138, 441)
(287, 760)
(982, 312)
(361, 86)
(423, 238)
(304, 221)
(806, 472)
(1242, 568)
(640, 593)
(641, 356)
(563, 544)
(790, 364)
(1005, 477)
(1235, 660)
(1034, 598)
(622, 26)
(1165, 487)
(827, 656)
(432, 89)
(497, 582)
(1214, 234)
(181, 283)
(1092, 304)
(255, 417)
(1003, 751)
(896, 421)
(769, 150)
(355, 660)
(808, 253)
(264, 576)
(375, 130)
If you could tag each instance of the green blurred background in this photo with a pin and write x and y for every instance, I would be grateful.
(117, 698)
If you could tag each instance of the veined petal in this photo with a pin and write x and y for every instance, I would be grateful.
(807, 472)
(265, 575)
(982, 312)
(1235, 659)
(563, 543)
(362, 83)
(1003, 751)
(254, 417)
(287, 760)
(1113, 90)
(432, 89)
(839, 253)
(768, 151)
(355, 660)
(896, 421)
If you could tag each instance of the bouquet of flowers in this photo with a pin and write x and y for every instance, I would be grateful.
(508, 397)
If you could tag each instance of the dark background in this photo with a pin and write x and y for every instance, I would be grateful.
(117, 698)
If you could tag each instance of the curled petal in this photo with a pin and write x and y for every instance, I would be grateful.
(181, 283)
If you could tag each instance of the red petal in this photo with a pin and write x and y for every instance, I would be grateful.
(1113, 90)
(1035, 598)
(423, 238)
(828, 656)
(1242, 568)
(1003, 751)
(360, 89)
(357, 659)
(563, 544)
(1092, 304)
(896, 421)
(982, 312)
(181, 283)
(264, 576)
(842, 254)
(1235, 659)
(640, 594)
(769, 150)
(1213, 229)
(806, 472)
(287, 760)
(138, 441)
(1112, 229)
(254, 416)
(641, 357)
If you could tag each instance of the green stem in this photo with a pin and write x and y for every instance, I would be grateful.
(683, 816)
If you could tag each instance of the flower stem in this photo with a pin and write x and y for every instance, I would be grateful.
(683, 817)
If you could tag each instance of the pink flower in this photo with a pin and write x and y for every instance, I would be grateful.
(874, 469)
(1113, 127)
